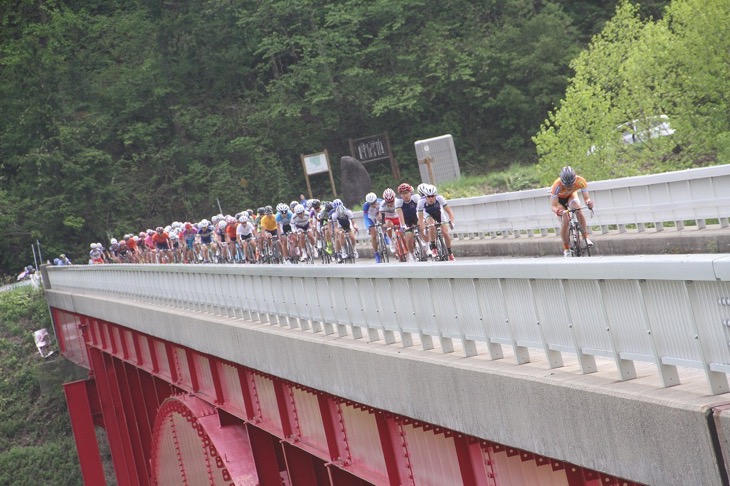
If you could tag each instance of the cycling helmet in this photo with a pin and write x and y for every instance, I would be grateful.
(113, 241)
(92, 246)
(567, 176)
(159, 229)
(282, 208)
(204, 224)
(176, 224)
(143, 235)
(337, 203)
(168, 228)
(371, 197)
(422, 189)
(150, 232)
(405, 187)
(328, 207)
(230, 219)
(389, 195)
(261, 210)
(293, 204)
(429, 191)
(315, 203)
(268, 210)
(188, 226)
(222, 224)
(216, 218)
(173, 236)
(243, 218)
(299, 209)
(341, 211)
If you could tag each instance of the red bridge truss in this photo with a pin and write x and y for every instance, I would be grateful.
(173, 415)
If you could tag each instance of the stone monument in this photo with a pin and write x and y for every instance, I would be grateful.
(354, 181)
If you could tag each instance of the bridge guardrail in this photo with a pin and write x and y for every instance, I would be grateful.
(673, 311)
(642, 202)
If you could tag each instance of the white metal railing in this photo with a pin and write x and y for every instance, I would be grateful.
(668, 310)
(655, 200)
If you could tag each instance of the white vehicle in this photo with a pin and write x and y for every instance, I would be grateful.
(640, 130)
(643, 129)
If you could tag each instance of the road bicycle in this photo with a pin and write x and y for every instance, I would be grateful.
(442, 253)
(271, 250)
(401, 248)
(382, 246)
(348, 249)
(308, 247)
(578, 246)
(324, 255)
(420, 249)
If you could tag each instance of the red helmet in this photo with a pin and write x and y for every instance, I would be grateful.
(389, 195)
(405, 187)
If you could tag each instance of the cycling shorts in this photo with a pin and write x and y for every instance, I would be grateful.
(369, 223)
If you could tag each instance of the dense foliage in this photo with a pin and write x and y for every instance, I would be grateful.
(36, 444)
(118, 115)
(638, 70)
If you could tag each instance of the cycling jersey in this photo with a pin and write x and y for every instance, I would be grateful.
(268, 222)
(388, 213)
(206, 235)
(370, 212)
(284, 218)
(231, 231)
(343, 222)
(410, 209)
(300, 221)
(560, 191)
(161, 241)
(245, 229)
(433, 209)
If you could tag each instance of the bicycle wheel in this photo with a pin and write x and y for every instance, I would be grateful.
(401, 247)
(575, 240)
(443, 252)
(382, 248)
(350, 258)
(584, 249)
(419, 248)
(309, 249)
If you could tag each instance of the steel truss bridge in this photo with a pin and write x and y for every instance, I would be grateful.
(608, 371)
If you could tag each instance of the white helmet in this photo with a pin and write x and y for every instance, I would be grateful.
(222, 224)
(282, 208)
(113, 241)
(341, 210)
(293, 204)
(422, 189)
(430, 190)
(243, 218)
(299, 209)
(371, 197)
(337, 203)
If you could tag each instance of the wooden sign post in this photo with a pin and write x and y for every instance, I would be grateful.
(316, 164)
(376, 147)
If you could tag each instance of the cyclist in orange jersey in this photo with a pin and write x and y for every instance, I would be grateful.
(564, 194)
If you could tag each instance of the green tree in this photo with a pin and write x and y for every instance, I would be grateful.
(637, 70)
